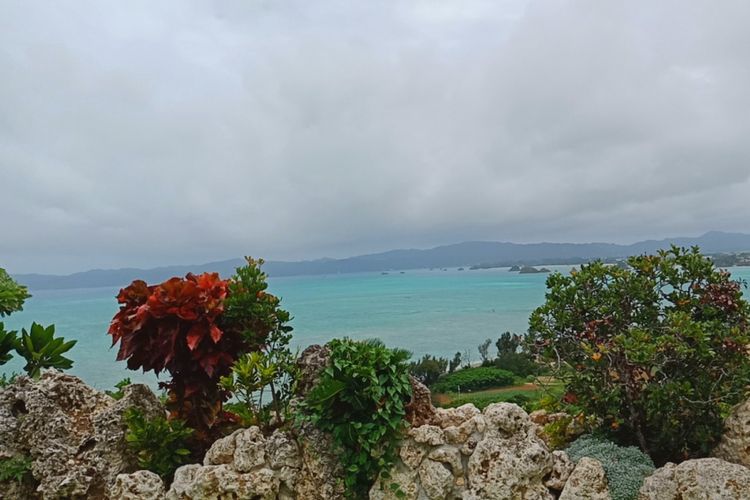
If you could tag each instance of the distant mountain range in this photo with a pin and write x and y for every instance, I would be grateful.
(460, 254)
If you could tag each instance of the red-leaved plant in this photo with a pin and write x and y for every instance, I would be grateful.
(175, 327)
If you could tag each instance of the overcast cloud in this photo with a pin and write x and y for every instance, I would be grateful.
(151, 133)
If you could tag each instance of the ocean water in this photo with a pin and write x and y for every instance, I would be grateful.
(436, 312)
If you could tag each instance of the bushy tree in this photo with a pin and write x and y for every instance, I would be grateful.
(658, 351)
(455, 363)
(508, 343)
(513, 356)
(12, 295)
(428, 369)
(484, 351)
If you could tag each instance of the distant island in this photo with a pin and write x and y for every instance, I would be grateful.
(472, 255)
(532, 270)
(514, 268)
(731, 259)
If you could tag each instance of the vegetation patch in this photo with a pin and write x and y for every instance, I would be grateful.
(473, 379)
(160, 444)
(625, 466)
(360, 400)
(656, 350)
(15, 468)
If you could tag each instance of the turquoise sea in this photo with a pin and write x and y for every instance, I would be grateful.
(436, 312)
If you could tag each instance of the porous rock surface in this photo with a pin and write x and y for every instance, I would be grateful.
(246, 464)
(74, 434)
(468, 454)
(562, 467)
(586, 481)
(140, 485)
(700, 479)
(735, 442)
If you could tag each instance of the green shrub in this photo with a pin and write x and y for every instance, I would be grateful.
(625, 467)
(12, 295)
(41, 349)
(6, 380)
(119, 393)
(8, 341)
(360, 400)
(14, 468)
(473, 379)
(428, 369)
(268, 370)
(257, 374)
(160, 444)
(656, 351)
(518, 363)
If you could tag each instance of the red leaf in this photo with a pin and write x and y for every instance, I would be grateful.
(194, 336)
(216, 333)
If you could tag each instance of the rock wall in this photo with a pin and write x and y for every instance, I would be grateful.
(700, 479)
(247, 464)
(463, 453)
(74, 434)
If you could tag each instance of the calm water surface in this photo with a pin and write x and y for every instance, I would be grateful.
(437, 312)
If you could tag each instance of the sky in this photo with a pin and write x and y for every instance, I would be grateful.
(146, 133)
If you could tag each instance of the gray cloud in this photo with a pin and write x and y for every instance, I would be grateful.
(144, 133)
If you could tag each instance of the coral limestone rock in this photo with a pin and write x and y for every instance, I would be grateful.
(705, 478)
(246, 464)
(436, 479)
(562, 467)
(735, 442)
(74, 433)
(586, 481)
(427, 434)
(249, 449)
(310, 365)
(140, 485)
(510, 462)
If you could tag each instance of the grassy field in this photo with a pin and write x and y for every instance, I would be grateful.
(527, 394)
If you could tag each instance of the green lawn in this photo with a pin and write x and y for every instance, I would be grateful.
(525, 395)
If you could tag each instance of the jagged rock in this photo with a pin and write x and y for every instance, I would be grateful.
(586, 481)
(436, 479)
(310, 364)
(735, 442)
(449, 456)
(407, 481)
(454, 417)
(246, 464)
(562, 466)
(510, 461)
(74, 433)
(219, 482)
(282, 451)
(321, 475)
(183, 481)
(140, 485)
(249, 449)
(412, 453)
(705, 478)
(461, 433)
(419, 410)
(427, 434)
